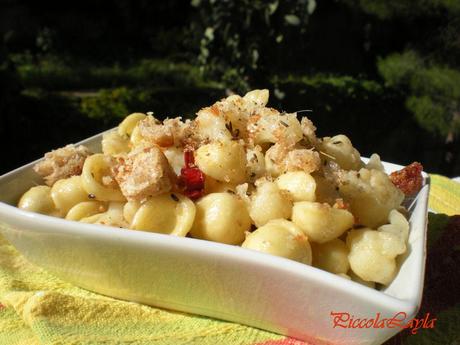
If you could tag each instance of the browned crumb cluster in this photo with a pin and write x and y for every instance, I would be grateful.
(143, 173)
(62, 163)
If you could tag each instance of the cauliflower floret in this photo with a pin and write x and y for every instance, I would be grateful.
(373, 254)
(144, 172)
(62, 163)
(398, 225)
(371, 195)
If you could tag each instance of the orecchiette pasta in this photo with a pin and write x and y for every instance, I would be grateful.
(97, 167)
(38, 199)
(126, 127)
(331, 256)
(68, 192)
(112, 217)
(282, 238)
(223, 160)
(216, 221)
(167, 213)
(86, 209)
(240, 173)
(321, 222)
(300, 185)
(269, 202)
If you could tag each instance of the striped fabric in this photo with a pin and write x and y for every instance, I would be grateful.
(38, 308)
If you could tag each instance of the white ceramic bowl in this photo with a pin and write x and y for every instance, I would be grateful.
(213, 279)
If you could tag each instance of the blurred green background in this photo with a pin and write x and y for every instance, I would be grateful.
(386, 73)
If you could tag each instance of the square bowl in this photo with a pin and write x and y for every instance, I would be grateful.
(213, 279)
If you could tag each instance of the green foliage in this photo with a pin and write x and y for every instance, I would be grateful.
(433, 91)
(386, 9)
(110, 105)
(231, 45)
(116, 103)
(57, 73)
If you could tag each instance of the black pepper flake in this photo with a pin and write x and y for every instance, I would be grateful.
(174, 197)
(325, 162)
(91, 196)
(358, 175)
(337, 188)
(337, 142)
(284, 124)
(230, 191)
(253, 174)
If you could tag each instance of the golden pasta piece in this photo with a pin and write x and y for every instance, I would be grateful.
(169, 213)
(342, 150)
(96, 167)
(224, 161)
(300, 185)
(373, 254)
(66, 193)
(130, 209)
(38, 199)
(86, 209)
(280, 237)
(112, 217)
(221, 217)
(321, 222)
(331, 256)
(269, 202)
(257, 97)
(126, 127)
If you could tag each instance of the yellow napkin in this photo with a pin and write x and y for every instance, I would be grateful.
(444, 195)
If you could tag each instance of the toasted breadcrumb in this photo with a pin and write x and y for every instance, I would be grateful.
(153, 131)
(62, 163)
(309, 130)
(302, 159)
(144, 172)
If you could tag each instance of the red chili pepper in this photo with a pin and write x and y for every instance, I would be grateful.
(191, 178)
